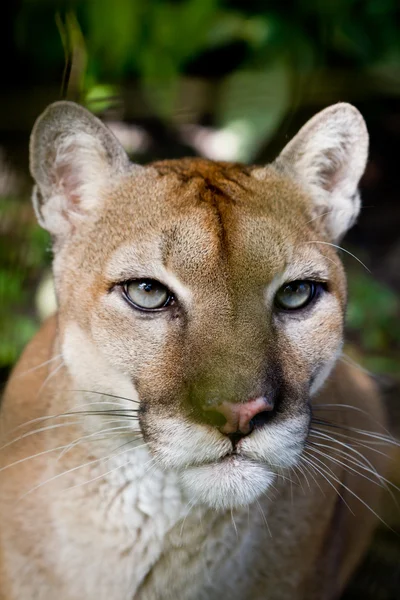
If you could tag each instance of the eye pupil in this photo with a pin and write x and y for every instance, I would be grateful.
(146, 287)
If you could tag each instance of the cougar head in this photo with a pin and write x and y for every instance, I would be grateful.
(210, 293)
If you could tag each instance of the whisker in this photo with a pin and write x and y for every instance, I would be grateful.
(324, 475)
(366, 465)
(27, 434)
(380, 481)
(43, 364)
(37, 455)
(340, 405)
(294, 470)
(355, 408)
(324, 436)
(124, 487)
(314, 478)
(356, 441)
(349, 361)
(108, 430)
(73, 469)
(328, 212)
(264, 518)
(105, 394)
(30, 457)
(279, 473)
(127, 414)
(344, 453)
(190, 506)
(104, 403)
(49, 377)
(339, 248)
(34, 431)
(38, 420)
(388, 440)
(67, 414)
(358, 498)
(82, 483)
(306, 478)
(291, 490)
(150, 463)
(234, 524)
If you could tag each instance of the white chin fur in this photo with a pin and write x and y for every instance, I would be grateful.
(228, 484)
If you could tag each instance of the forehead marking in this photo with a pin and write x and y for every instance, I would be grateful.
(214, 185)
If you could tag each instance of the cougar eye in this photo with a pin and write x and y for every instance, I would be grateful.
(147, 294)
(295, 295)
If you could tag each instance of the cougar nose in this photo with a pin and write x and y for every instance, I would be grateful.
(240, 417)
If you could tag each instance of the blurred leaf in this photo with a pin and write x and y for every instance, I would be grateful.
(373, 318)
(252, 105)
(24, 251)
(113, 33)
(15, 335)
(230, 27)
(73, 84)
(100, 98)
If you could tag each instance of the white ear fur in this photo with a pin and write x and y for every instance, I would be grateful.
(328, 157)
(72, 157)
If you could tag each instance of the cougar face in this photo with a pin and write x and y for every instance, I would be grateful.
(208, 293)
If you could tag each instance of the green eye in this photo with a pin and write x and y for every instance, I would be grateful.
(295, 295)
(147, 294)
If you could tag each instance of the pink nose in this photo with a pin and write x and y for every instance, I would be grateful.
(238, 416)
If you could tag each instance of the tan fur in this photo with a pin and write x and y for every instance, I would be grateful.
(162, 509)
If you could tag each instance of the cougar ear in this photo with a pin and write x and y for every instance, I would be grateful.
(328, 157)
(72, 157)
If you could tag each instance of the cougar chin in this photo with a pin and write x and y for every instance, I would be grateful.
(230, 483)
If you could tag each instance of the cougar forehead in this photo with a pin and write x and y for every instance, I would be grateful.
(195, 218)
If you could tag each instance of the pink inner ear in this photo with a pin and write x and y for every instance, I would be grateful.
(332, 171)
(68, 172)
(67, 178)
(79, 161)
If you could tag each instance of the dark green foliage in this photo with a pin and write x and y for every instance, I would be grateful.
(24, 254)
(373, 319)
(159, 40)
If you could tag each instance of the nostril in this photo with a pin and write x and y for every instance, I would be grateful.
(232, 418)
(261, 419)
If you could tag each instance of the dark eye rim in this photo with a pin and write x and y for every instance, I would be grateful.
(124, 288)
(316, 289)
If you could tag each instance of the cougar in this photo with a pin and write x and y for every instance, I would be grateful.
(186, 426)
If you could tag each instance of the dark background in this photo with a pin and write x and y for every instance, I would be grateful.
(229, 80)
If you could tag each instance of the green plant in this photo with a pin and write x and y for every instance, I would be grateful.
(24, 254)
(373, 321)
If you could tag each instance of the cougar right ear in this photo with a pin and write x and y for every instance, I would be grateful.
(73, 156)
(328, 157)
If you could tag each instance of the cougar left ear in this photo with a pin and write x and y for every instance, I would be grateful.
(73, 157)
(328, 157)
